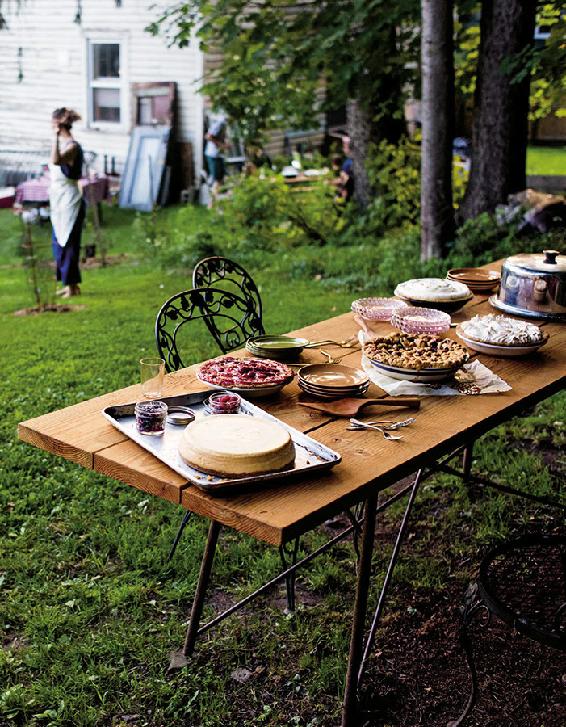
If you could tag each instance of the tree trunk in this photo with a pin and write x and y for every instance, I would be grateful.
(360, 132)
(437, 119)
(500, 127)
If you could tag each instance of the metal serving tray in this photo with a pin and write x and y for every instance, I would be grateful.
(311, 455)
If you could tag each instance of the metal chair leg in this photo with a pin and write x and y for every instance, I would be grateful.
(288, 557)
(182, 526)
(472, 604)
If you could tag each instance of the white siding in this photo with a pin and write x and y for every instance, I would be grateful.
(54, 65)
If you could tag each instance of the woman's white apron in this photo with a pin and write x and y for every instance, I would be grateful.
(65, 202)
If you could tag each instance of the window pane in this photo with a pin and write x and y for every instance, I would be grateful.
(105, 60)
(106, 104)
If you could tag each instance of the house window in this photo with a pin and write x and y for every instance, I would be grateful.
(105, 83)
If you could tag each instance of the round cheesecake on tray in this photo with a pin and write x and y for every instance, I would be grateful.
(236, 445)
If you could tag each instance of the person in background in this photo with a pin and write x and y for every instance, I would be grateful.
(347, 171)
(214, 154)
(67, 206)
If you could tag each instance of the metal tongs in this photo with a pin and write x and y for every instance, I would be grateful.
(384, 426)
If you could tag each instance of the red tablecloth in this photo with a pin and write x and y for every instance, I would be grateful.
(37, 190)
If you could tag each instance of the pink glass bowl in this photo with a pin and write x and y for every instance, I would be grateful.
(377, 309)
(421, 320)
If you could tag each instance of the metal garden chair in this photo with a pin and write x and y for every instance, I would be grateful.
(230, 318)
(220, 272)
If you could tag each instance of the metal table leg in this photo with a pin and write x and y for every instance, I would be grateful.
(182, 526)
(350, 706)
(180, 659)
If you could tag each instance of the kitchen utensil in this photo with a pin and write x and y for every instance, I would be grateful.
(349, 407)
(533, 286)
(331, 359)
(311, 456)
(356, 425)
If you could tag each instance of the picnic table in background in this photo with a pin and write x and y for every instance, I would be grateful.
(95, 189)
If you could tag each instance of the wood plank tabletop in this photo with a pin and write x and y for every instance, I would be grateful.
(275, 515)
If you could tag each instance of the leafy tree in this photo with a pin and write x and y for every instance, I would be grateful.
(286, 61)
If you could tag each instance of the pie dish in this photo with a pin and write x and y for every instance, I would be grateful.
(237, 445)
(421, 353)
(501, 336)
(249, 376)
(440, 293)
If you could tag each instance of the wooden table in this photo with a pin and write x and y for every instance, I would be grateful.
(369, 463)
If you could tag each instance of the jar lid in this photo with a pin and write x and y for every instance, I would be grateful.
(549, 261)
(180, 416)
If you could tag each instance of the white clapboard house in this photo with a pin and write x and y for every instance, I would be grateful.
(95, 56)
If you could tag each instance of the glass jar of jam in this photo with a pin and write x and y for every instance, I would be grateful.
(150, 417)
(224, 402)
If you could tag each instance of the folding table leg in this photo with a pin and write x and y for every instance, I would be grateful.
(350, 706)
(200, 593)
(180, 659)
(467, 462)
(182, 526)
(288, 557)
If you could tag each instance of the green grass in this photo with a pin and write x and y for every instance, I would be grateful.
(89, 610)
(546, 160)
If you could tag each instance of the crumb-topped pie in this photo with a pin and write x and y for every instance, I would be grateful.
(416, 352)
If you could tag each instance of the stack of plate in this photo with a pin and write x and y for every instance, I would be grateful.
(280, 348)
(332, 381)
(478, 280)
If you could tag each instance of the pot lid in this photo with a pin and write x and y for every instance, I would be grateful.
(549, 261)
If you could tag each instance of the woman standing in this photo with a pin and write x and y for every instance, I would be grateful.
(65, 200)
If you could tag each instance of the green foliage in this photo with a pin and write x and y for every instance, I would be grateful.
(297, 46)
(545, 62)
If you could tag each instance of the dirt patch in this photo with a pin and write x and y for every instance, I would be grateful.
(37, 310)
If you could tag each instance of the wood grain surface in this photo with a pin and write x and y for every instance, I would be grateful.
(276, 514)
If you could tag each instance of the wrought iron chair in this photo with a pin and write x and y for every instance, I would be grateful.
(230, 318)
(507, 575)
(220, 272)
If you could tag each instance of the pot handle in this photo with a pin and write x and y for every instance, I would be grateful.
(550, 256)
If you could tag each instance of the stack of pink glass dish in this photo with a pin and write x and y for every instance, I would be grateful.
(377, 309)
(421, 320)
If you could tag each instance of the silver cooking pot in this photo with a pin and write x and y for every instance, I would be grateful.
(533, 286)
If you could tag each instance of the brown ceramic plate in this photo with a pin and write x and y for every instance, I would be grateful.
(477, 276)
(333, 376)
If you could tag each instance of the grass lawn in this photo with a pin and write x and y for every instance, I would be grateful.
(546, 160)
(89, 610)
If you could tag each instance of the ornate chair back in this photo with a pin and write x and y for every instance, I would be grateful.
(220, 272)
(230, 318)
